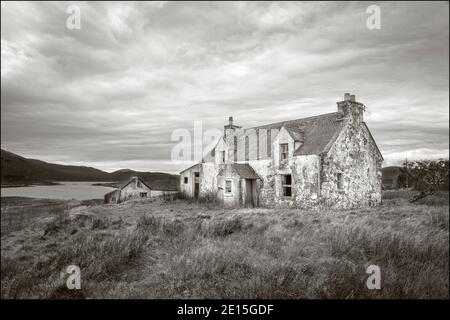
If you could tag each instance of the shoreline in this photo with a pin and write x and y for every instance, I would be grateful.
(29, 184)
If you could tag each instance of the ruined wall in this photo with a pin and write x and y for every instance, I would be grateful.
(233, 199)
(265, 170)
(354, 155)
(112, 197)
(208, 178)
(304, 171)
(188, 188)
(305, 175)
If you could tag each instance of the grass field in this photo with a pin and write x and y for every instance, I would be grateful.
(144, 249)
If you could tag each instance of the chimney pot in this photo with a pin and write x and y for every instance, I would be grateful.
(230, 121)
(347, 97)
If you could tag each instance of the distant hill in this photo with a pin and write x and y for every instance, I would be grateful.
(16, 170)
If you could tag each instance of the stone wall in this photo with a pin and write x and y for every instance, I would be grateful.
(208, 179)
(234, 198)
(304, 171)
(354, 155)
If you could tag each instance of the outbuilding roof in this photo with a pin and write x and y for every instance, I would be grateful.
(243, 170)
(131, 179)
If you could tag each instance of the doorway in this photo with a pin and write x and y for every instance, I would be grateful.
(249, 199)
(196, 184)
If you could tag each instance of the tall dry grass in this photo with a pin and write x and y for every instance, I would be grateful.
(191, 251)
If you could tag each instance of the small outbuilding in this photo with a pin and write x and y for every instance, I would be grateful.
(238, 185)
(134, 188)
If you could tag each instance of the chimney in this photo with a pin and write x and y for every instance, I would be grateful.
(229, 126)
(351, 109)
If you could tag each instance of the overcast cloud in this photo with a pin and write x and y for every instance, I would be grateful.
(110, 94)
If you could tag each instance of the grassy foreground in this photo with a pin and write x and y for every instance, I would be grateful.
(144, 249)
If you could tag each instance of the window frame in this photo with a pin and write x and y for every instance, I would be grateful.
(282, 152)
(186, 180)
(235, 148)
(284, 185)
(230, 193)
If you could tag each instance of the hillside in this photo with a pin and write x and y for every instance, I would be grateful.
(17, 170)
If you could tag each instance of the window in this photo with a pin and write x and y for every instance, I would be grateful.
(340, 181)
(143, 194)
(247, 147)
(284, 151)
(185, 179)
(228, 186)
(235, 148)
(213, 153)
(269, 143)
(286, 183)
(223, 156)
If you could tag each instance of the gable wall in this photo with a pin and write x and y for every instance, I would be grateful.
(133, 189)
(354, 154)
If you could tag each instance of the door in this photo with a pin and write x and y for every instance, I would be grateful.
(249, 193)
(196, 184)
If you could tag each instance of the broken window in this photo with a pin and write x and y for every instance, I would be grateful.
(235, 148)
(286, 182)
(247, 147)
(340, 181)
(284, 151)
(228, 186)
(185, 179)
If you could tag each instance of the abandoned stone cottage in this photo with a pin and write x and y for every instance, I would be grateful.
(133, 188)
(330, 160)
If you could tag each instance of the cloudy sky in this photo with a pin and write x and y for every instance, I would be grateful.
(111, 93)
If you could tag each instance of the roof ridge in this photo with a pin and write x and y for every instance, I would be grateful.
(281, 122)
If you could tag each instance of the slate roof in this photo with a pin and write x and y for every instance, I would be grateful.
(123, 185)
(243, 170)
(316, 132)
